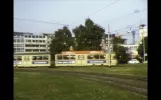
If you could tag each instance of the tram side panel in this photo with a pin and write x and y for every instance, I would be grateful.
(32, 60)
(85, 60)
(41, 60)
(96, 59)
(65, 60)
(18, 61)
(113, 60)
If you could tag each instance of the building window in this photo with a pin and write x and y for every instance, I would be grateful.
(43, 50)
(33, 36)
(42, 45)
(43, 36)
(18, 40)
(28, 40)
(29, 36)
(14, 40)
(40, 36)
(22, 40)
(18, 45)
(22, 48)
(28, 50)
(33, 41)
(18, 49)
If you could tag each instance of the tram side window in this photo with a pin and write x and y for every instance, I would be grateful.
(39, 57)
(65, 57)
(59, 57)
(90, 56)
(102, 56)
(96, 56)
(45, 57)
(34, 57)
(72, 56)
(19, 58)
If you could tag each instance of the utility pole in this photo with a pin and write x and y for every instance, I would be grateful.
(109, 51)
(143, 45)
(142, 35)
(133, 36)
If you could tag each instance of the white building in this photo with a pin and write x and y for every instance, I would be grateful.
(131, 49)
(27, 43)
(143, 32)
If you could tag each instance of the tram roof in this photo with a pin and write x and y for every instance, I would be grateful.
(82, 52)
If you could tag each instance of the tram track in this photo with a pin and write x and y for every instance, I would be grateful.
(139, 87)
(134, 84)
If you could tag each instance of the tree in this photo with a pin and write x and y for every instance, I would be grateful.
(120, 51)
(118, 40)
(140, 48)
(62, 41)
(88, 37)
(121, 54)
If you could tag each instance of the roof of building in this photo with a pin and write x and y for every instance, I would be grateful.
(32, 53)
(22, 33)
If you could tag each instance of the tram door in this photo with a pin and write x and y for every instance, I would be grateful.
(27, 61)
(80, 60)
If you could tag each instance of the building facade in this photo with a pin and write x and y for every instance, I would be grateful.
(143, 32)
(132, 50)
(27, 43)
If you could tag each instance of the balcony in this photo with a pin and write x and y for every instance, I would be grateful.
(35, 47)
(35, 43)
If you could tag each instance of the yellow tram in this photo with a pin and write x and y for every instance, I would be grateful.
(85, 58)
(32, 59)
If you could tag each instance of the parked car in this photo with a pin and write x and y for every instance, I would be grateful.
(133, 61)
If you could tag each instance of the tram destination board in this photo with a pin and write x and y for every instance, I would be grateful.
(40, 62)
(96, 61)
(65, 62)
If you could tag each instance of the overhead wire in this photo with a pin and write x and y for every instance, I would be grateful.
(42, 21)
(101, 9)
(115, 19)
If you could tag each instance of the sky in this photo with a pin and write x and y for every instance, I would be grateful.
(74, 13)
